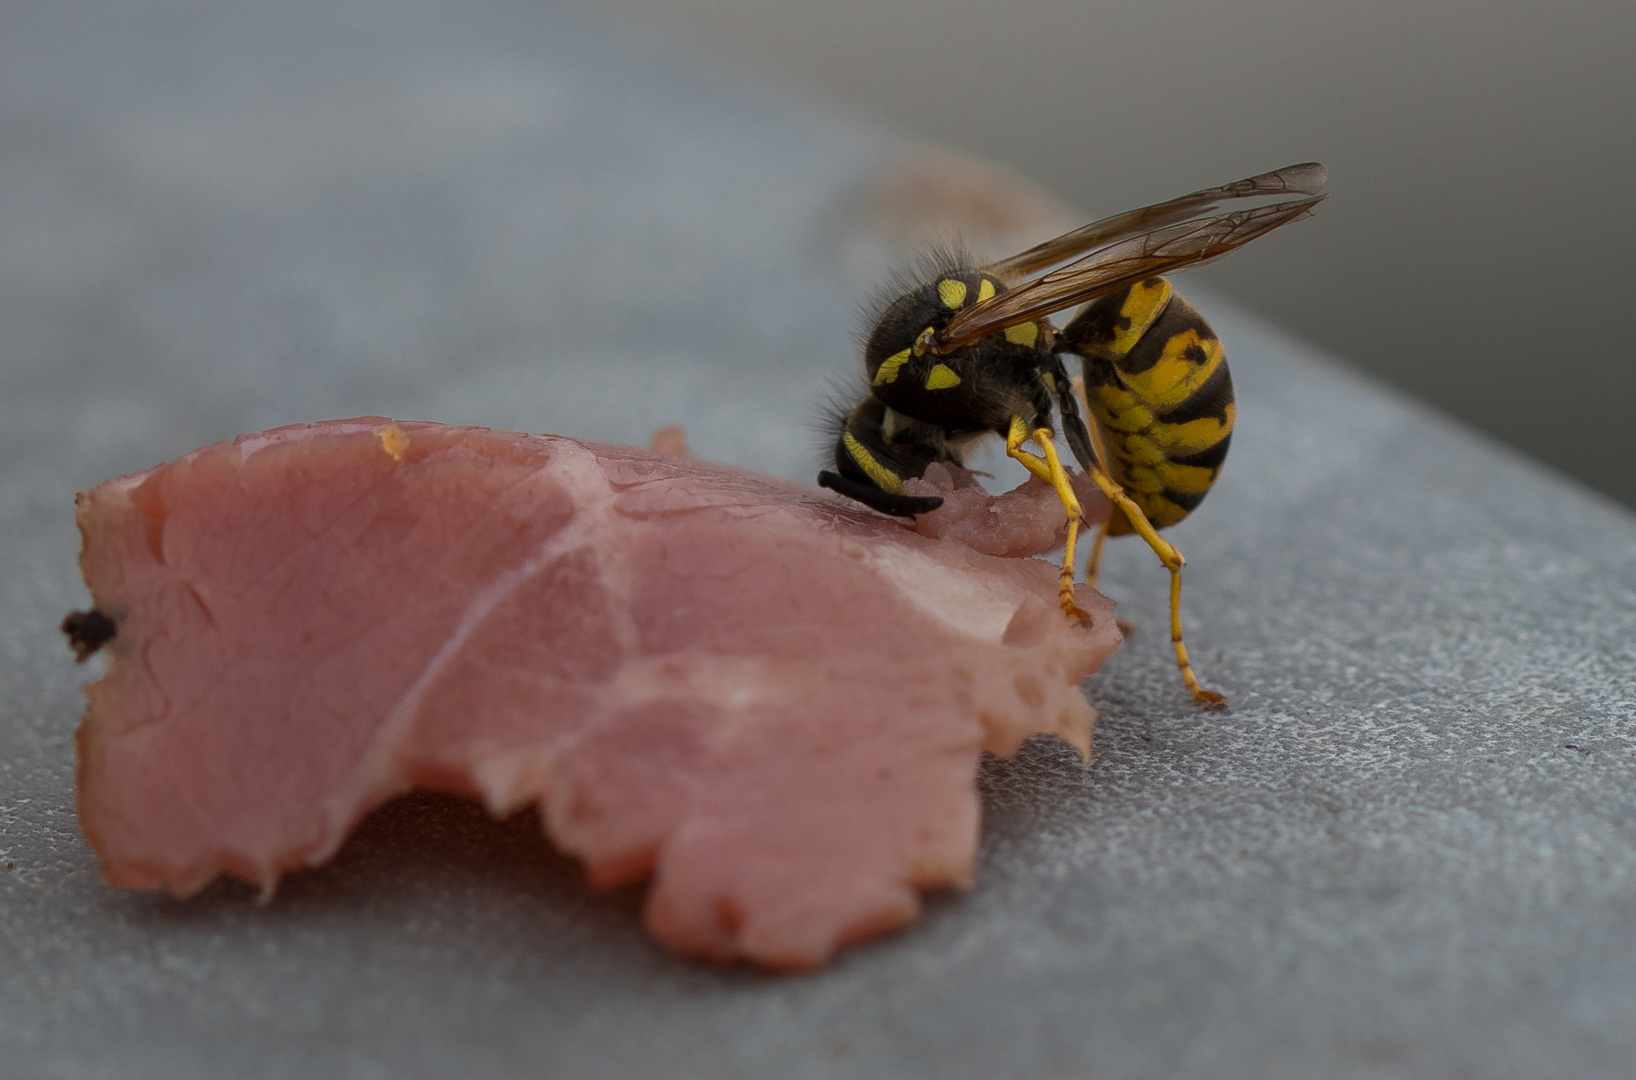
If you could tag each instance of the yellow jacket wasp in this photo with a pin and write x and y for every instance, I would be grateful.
(971, 352)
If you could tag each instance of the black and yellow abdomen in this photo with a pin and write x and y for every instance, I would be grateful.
(1160, 397)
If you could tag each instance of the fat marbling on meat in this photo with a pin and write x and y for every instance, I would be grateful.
(767, 700)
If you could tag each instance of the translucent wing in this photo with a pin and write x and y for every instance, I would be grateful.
(1161, 250)
(1304, 179)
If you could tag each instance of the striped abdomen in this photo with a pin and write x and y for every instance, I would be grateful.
(1159, 394)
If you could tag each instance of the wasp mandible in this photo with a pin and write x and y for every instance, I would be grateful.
(971, 352)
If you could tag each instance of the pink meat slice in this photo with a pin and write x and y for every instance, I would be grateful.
(769, 701)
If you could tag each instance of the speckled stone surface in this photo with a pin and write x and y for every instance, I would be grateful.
(1408, 850)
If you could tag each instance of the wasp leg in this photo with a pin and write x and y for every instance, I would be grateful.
(1083, 441)
(1094, 452)
(1073, 424)
(1173, 562)
(1093, 569)
(1049, 468)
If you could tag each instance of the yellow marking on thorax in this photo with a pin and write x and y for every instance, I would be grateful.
(941, 378)
(985, 291)
(1023, 333)
(393, 441)
(1143, 306)
(1176, 376)
(888, 370)
(952, 293)
(884, 478)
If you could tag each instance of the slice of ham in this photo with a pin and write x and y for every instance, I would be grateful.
(767, 699)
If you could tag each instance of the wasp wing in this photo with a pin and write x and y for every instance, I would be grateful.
(1304, 179)
(1159, 251)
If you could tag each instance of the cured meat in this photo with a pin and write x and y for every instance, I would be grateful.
(1023, 521)
(768, 700)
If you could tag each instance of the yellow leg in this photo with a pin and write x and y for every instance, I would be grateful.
(1173, 562)
(1049, 468)
(1035, 464)
(1094, 569)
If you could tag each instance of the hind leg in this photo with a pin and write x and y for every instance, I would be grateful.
(1173, 561)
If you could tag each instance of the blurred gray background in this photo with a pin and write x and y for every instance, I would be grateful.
(1477, 250)
(1409, 849)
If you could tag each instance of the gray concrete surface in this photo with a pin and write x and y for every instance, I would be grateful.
(1409, 850)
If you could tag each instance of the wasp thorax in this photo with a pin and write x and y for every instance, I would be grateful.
(907, 323)
(960, 388)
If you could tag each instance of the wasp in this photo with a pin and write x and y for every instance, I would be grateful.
(970, 353)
